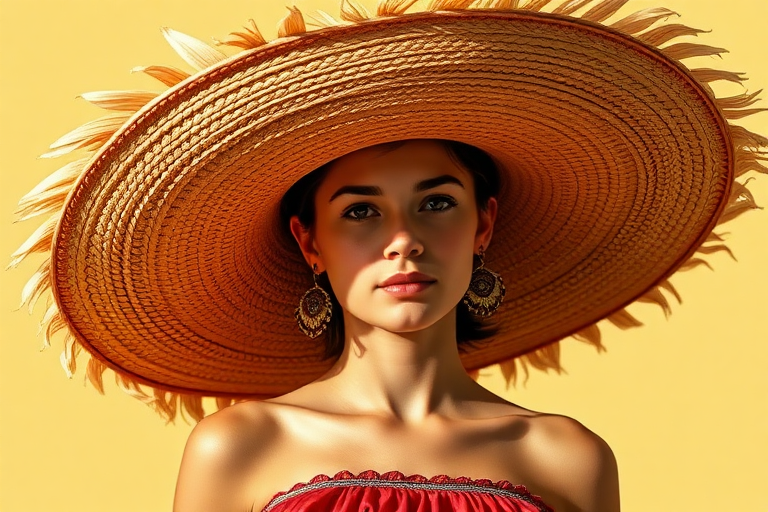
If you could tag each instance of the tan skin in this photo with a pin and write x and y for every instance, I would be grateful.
(398, 398)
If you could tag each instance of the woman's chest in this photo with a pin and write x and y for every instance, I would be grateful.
(491, 453)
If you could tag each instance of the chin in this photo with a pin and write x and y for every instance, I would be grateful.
(410, 318)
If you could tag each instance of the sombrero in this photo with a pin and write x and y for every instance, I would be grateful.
(167, 260)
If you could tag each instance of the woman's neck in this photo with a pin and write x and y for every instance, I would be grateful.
(407, 376)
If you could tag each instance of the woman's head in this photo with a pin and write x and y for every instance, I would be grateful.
(418, 207)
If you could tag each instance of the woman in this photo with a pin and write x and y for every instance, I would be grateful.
(394, 229)
(320, 159)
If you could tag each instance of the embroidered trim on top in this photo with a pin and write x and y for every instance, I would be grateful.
(415, 482)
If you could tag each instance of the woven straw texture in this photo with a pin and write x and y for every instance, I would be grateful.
(168, 263)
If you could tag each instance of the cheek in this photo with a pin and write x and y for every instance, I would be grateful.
(453, 246)
(345, 254)
(454, 249)
(452, 237)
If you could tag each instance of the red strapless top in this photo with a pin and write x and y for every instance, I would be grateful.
(394, 492)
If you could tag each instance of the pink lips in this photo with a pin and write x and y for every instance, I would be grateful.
(406, 284)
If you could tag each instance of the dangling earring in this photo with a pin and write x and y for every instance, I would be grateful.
(314, 311)
(486, 290)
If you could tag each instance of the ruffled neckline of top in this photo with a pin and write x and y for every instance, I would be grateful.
(397, 476)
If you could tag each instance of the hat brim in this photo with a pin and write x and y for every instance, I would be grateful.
(169, 264)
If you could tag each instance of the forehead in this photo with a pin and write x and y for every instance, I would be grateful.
(410, 161)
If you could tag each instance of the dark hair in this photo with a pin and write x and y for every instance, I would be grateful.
(300, 201)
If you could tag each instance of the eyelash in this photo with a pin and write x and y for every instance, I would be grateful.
(451, 203)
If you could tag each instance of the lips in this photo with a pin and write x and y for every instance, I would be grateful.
(411, 277)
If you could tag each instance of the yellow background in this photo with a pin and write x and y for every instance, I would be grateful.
(683, 402)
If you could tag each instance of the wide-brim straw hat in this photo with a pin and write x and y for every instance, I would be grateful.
(167, 260)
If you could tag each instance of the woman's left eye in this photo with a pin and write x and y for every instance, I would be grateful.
(439, 203)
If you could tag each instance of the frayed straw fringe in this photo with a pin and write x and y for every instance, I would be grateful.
(603, 10)
(569, 7)
(393, 7)
(167, 75)
(193, 51)
(536, 5)
(292, 24)
(449, 5)
(663, 34)
(49, 196)
(88, 136)
(353, 12)
(322, 19)
(251, 38)
(641, 20)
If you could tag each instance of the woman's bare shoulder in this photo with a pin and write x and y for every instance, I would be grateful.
(222, 453)
(553, 434)
(574, 465)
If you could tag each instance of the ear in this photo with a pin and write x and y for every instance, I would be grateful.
(486, 218)
(306, 240)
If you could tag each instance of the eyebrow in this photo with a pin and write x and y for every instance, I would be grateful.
(368, 190)
(436, 182)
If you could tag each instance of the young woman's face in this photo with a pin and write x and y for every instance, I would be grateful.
(396, 232)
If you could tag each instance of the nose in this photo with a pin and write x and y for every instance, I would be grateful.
(404, 243)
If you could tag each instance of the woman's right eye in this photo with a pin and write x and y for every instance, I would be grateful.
(360, 212)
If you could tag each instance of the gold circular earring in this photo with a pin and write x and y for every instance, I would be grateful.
(314, 311)
(486, 290)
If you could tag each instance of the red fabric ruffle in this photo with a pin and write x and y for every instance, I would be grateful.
(370, 497)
